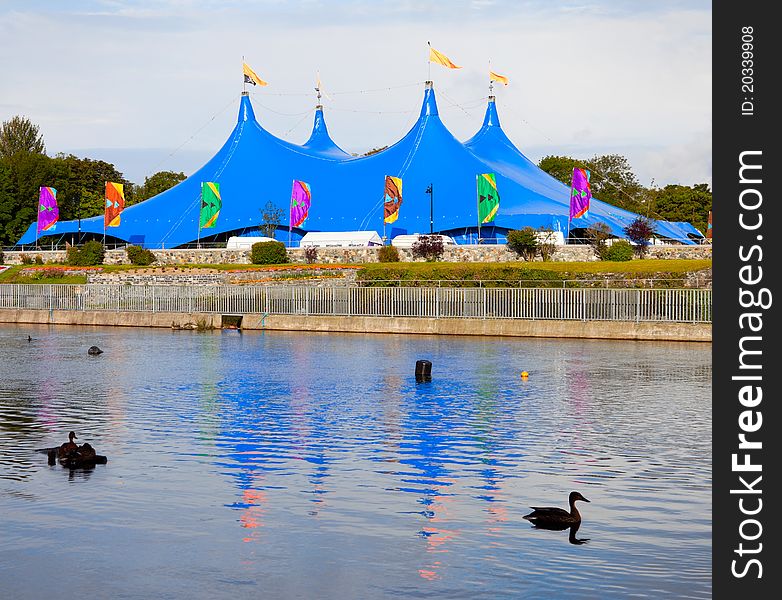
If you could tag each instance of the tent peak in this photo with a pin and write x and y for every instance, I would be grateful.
(491, 118)
(246, 112)
(429, 107)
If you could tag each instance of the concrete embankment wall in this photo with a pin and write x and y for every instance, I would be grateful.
(614, 330)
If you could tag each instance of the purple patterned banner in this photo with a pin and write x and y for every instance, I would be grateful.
(301, 197)
(580, 193)
(47, 209)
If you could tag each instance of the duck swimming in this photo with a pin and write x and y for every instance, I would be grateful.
(68, 447)
(556, 518)
(71, 455)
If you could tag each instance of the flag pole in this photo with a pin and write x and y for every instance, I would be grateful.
(244, 91)
(429, 63)
(478, 207)
(198, 217)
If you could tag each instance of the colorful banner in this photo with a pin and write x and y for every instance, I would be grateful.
(497, 77)
(48, 213)
(115, 202)
(392, 199)
(250, 76)
(211, 203)
(580, 193)
(301, 198)
(488, 197)
(440, 58)
(708, 228)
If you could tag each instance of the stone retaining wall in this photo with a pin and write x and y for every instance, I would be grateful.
(493, 253)
(613, 330)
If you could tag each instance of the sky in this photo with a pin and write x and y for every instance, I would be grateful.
(154, 85)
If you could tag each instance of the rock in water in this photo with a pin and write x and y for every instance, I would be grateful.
(94, 350)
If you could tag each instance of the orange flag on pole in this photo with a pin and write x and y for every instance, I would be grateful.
(440, 58)
(115, 202)
(497, 77)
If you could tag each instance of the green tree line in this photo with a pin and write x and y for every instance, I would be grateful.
(80, 182)
(612, 180)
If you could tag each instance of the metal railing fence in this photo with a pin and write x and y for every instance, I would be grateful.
(590, 304)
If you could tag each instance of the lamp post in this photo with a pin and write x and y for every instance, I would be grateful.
(430, 191)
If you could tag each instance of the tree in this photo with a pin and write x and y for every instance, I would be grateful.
(271, 217)
(81, 185)
(20, 135)
(682, 203)
(523, 242)
(597, 234)
(155, 184)
(640, 231)
(20, 179)
(611, 178)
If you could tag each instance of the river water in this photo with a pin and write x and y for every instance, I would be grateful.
(296, 465)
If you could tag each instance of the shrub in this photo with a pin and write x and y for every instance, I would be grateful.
(26, 259)
(523, 242)
(620, 250)
(388, 254)
(90, 254)
(139, 256)
(597, 234)
(429, 247)
(310, 254)
(2, 258)
(546, 243)
(38, 260)
(268, 253)
(640, 231)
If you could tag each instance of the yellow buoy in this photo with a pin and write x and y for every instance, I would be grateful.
(524, 374)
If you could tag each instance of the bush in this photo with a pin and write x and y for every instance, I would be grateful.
(310, 254)
(523, 242)
(139, 256)
(38, 260)
(620, 250)
(268, 253)
(388, 254)
(597, 235)
(26, 259)
(90, 254)
(429, 247)
(2, 258)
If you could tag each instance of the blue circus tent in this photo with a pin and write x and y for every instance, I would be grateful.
(254, 167)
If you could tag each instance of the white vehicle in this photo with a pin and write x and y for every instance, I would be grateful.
(245, 243)
(407, 241)
(340, 239)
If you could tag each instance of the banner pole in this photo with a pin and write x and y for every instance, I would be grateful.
(198, 217)
(478, 208)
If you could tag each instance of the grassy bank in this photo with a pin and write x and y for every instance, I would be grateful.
(635, 273)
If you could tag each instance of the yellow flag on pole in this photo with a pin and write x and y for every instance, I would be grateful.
(250, 76)
(440, 58)
(496, 77)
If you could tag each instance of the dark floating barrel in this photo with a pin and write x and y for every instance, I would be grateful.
(94, 350)
(423, 370)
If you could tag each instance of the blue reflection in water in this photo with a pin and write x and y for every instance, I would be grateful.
(295, 465)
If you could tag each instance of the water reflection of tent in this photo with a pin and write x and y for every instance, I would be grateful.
(347, 192)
